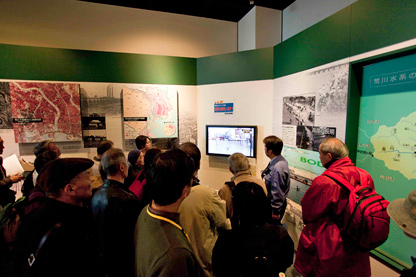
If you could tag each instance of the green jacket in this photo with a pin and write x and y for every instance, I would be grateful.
(162, 249)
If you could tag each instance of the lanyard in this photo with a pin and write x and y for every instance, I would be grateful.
(169, 221)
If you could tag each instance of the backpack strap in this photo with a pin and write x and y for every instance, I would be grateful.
(339, 179)
(363, 176)
(32, 257)
(230, 185)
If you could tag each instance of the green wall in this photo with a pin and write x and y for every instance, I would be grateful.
(363, 26)
(379, 23)
(324, 42)
(236, 67)
(38, 63)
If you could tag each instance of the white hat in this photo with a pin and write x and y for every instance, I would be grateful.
(403, 213)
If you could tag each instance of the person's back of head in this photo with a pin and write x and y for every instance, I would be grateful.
(103, 146)
(41, 147)
(132, 157)
(149, 158)
(250, 205)
(112, 161)
(238, 162)
(141, 141)
(335, 147)
(168, 176)
(44, 158)
(193, 151)
(273, 143)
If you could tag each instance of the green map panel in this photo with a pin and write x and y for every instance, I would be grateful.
(387, 138)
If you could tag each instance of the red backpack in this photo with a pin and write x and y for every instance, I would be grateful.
(366, 221)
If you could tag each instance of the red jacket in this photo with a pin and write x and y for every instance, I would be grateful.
(321, 250)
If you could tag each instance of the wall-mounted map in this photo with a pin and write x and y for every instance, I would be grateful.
(44, 111)
(387, 138)
(150, 110)
(5, 108)
(396, 146)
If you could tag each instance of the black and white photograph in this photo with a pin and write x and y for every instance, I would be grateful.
(6, 121)
(332, 95)
(93, 121)
(93, 129)
(310, 137)
(299, 110)
(101, 111)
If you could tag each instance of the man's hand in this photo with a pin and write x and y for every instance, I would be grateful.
(16, 178)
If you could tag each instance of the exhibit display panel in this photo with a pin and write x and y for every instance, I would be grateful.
(386, 145)
(308, 107)
(76, 99)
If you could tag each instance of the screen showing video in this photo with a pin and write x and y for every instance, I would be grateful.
(226, 140)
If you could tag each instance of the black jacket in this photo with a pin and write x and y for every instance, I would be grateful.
(115, 213)
(6, 194)
(70, 250)
(253, 251)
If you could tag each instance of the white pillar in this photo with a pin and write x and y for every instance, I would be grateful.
(259, 28)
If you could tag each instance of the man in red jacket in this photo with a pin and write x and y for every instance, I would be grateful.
(321, 250)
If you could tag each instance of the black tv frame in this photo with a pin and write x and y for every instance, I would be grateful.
(254, 127)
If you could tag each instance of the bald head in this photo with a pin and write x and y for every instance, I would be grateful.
(335, 147)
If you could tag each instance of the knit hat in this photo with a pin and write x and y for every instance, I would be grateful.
(133, 156)
(403, 213)
(55, 175)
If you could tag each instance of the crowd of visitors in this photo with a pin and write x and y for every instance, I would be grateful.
(151, 216)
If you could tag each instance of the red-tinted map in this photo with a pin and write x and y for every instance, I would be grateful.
(45, 111)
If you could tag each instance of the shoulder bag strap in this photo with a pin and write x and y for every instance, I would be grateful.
(32, 257)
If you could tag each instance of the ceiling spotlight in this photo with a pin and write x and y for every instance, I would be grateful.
(251, 2)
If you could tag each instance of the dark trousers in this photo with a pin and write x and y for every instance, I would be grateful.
(281, 212)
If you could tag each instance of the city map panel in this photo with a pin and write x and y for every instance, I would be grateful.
(45, 111)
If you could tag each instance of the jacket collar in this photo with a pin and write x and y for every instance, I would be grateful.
(243, 172)
(171, 216)
(275, 160)
(341, 163)
(112, 183)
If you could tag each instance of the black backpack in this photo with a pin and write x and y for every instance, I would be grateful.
(260, 247)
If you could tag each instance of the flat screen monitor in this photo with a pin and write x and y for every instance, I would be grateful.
(225, 140)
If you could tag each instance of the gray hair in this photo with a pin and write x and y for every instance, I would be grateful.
(238, 162)
(337, 148)
(111, 160)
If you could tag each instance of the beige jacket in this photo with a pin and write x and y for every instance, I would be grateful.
(201, 213)
(242, 176)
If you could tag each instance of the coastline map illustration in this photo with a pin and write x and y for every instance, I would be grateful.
(150, 111)
(45, 111)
